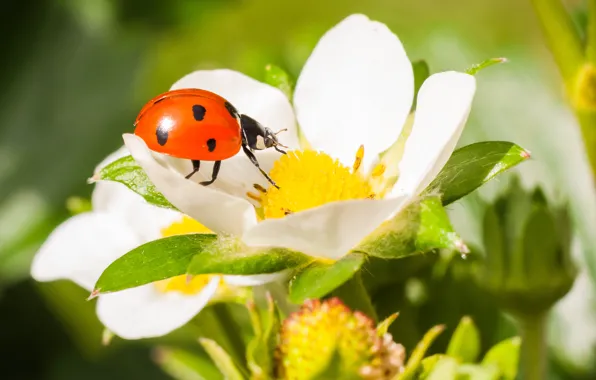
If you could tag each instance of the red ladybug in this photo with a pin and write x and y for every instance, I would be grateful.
(201, 126)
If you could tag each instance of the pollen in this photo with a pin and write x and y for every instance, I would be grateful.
(308, 179)
(187, 285)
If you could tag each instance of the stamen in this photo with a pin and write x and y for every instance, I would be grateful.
(358, 160)
(259, 188)
(378, 170)
(309, 179)
(254, 197)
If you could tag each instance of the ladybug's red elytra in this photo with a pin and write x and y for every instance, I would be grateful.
(201, 126)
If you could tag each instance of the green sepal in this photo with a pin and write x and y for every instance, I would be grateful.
(445, 369)
(414, 362)
(185, 365)
(465, 342)
(421, 227)
(234, 259)
(275, 76)
(472, 166)
(384, 325)
(126, 171)
(505, 356)
(319, 278)
(222, 360)
(261, 349)
(474, 69)
(421, 73)
(153, 261)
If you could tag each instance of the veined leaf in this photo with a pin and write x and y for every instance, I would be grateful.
(153, 261)
(472, 166)
(238, 262)
(422, 227)
(320, 278)
(127, 172)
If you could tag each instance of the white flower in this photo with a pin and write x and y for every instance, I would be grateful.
(84, 245)
(356, 89)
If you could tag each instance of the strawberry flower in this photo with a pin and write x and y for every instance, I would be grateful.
(344, 174)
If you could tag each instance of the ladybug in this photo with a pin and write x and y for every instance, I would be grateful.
(200, 125)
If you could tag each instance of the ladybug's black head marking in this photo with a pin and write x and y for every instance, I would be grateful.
(258, 137)
(198, 111)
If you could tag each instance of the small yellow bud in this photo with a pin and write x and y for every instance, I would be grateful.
(584, 94)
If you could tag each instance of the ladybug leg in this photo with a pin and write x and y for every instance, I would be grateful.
(196, 164)
(214, 174)
(254, 161)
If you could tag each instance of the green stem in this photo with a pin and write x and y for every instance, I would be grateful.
(354, 295)
(533, 358)
(591, 32)
(217, 324)
(562, 37)
(567, 48)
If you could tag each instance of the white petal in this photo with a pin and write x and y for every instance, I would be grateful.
(146, 312)
(146, 220)
(237, 175)
(218, 211)
(329, 231)
(444, 102)
(264, 103)
(356, 88)
(82, 247)
(255, 280)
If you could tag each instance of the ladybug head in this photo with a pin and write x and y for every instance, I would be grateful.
(258, 137)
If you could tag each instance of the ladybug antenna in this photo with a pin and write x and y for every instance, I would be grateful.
(277, 143)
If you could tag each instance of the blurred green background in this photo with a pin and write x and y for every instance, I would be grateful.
(75, 73)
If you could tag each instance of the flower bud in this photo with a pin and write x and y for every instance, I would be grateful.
(528, 265)
(328, 333)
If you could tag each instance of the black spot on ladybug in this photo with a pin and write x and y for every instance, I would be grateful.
(231, 109)
(198, 111)
(211, 144)
(162, 135)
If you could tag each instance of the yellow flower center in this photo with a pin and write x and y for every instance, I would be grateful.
(184, 284)
(307, 179)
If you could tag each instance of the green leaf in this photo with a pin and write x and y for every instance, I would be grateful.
(445, 369)
(472, 166)
(234, 260)
(428, 364)
(153, 261)
(221, 359)
(261, 349)
(417, 355)
(384, 325)
(421, 72)
(484, 64)
(465, 342)
(184, 365)
(423, 226)
(505, 355)
(478, 372)
(278, 78)
(127, 172)
(320, 278)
